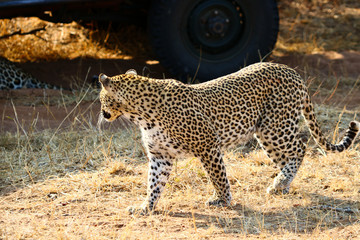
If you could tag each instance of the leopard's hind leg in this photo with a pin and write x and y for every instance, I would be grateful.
(278, 134)
(286, 154)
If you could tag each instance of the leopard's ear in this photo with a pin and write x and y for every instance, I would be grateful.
(131, 71)
(104, 80)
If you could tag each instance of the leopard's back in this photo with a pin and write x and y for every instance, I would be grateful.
(237, 103)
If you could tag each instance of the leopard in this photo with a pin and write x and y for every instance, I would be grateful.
(264, 100)
(13, 77)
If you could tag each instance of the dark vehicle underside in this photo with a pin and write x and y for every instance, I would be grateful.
(202, 38)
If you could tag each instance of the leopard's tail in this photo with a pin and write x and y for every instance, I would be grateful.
(345, 143)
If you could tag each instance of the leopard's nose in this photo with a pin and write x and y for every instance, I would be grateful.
(106, 115)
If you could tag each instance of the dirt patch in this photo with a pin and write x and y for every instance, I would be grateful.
(29, 110)
(42, 109)
(73, 73)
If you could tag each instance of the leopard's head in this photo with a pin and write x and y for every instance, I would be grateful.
(114, 95)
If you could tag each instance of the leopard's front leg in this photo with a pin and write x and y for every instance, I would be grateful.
(160, 166)
(213, 163)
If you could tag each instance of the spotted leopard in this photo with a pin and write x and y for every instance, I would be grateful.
(264, 100)
(13, 77)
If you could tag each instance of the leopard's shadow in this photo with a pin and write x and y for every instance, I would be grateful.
(321, 212)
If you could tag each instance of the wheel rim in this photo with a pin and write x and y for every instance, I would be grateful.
(215, 26)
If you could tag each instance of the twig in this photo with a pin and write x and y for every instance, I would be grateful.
(22, 33)
(337, 209)
(68, 115)
(333, 92)
(17, 120)
(198, 66)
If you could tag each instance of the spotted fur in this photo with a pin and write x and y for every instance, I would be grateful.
(13, 77)
(202, 120)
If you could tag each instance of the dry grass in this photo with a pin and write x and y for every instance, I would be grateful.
(79, 184)
(315, 26)
(76, 183)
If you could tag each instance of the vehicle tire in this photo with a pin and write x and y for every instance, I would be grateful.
(206, 39)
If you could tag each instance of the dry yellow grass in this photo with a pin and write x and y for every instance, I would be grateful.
(315, 26)
(82, 192)
(78, 182)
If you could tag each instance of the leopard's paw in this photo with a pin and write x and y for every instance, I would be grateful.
(277, 191)
(217, 202)
(138, 211)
